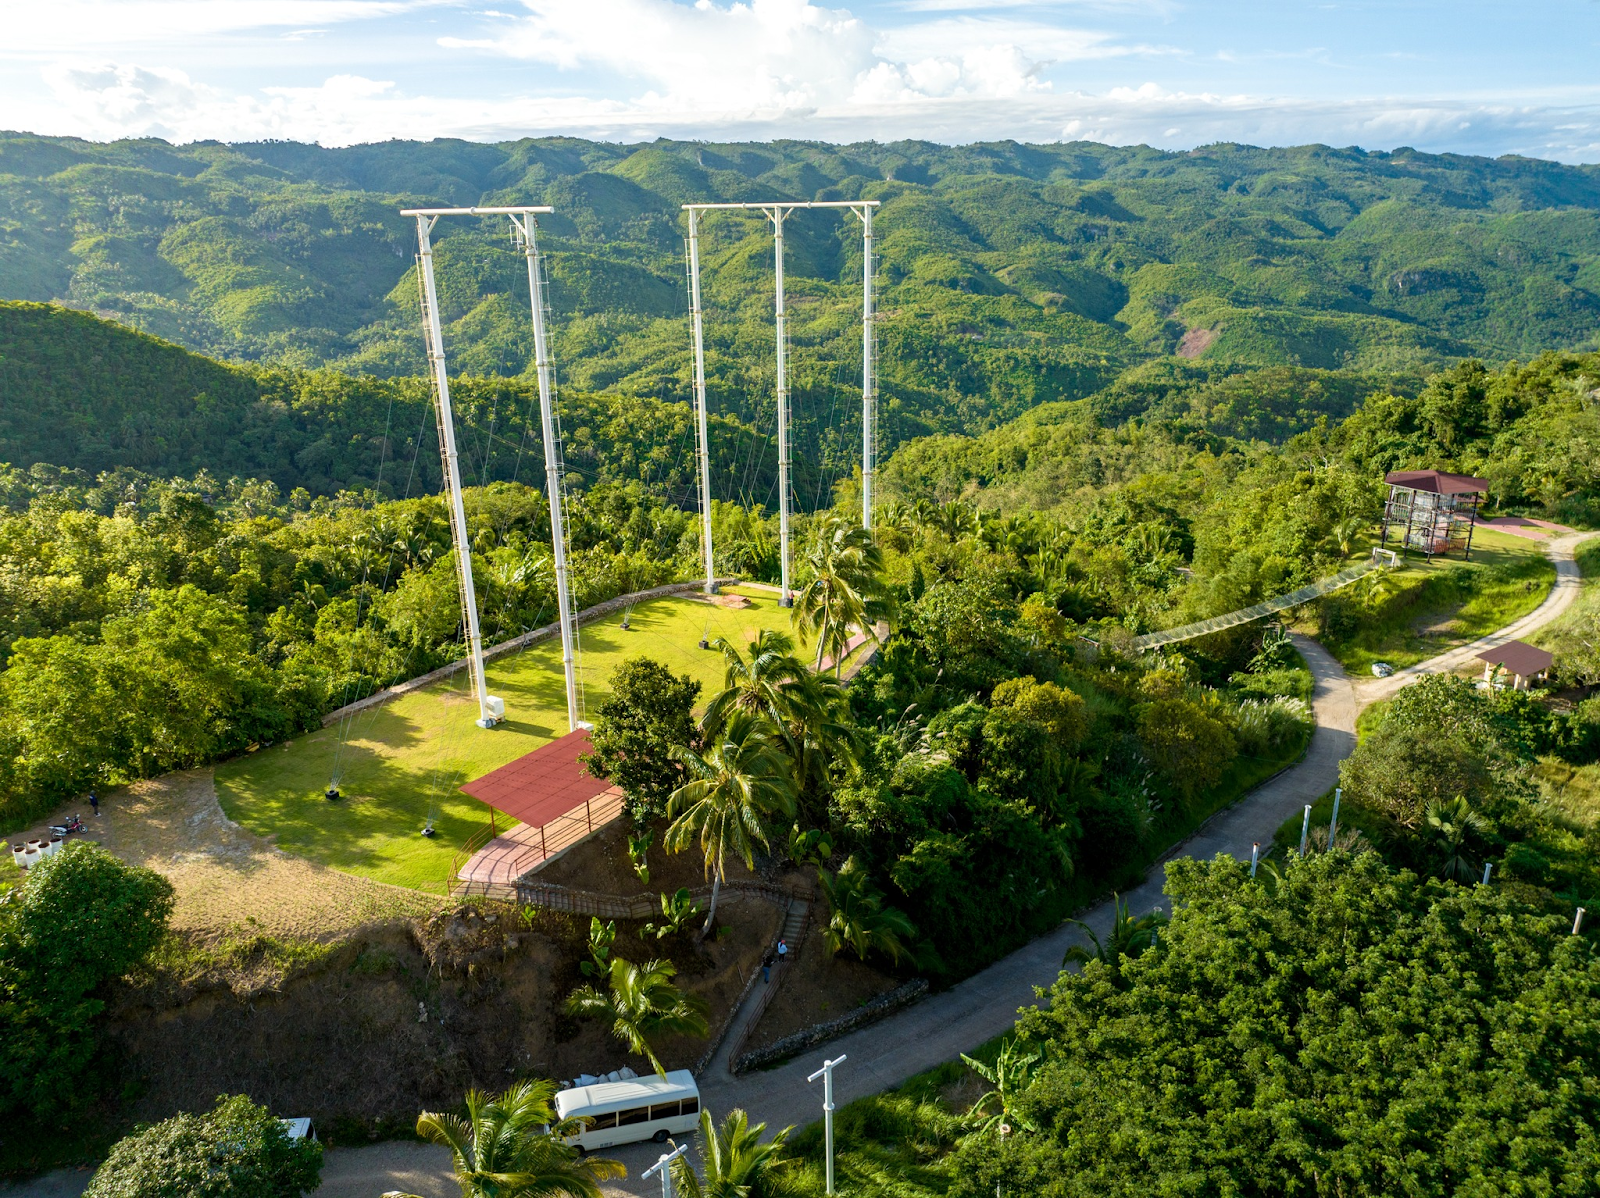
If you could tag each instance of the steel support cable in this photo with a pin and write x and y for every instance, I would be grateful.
(347, 725)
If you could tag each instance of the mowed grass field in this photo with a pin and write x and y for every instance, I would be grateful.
(402, 761)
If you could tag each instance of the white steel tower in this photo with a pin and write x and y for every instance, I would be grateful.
(776, 212)
(702, 437)
(491, 708)
(526, 226)
(869, 414)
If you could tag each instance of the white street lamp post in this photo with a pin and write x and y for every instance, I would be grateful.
(826, 1074)
(662, 1167)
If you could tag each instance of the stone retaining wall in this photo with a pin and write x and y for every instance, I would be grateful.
(819, 1033)
(587, 616)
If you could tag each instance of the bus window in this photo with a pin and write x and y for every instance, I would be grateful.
(639, 1114)
(609, 1119)
(691, 1106)
(664, 1110)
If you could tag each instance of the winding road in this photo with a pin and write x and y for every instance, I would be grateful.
(983, 1006)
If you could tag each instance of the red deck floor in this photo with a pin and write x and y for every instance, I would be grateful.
(526, 847)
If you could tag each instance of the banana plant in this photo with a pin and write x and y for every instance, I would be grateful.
(638, 846)
(676, 910)
(1010, 1075)
(601, 936)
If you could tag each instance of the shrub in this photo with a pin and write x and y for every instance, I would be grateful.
(82, 919)
(1264, 726)
(238, 1150)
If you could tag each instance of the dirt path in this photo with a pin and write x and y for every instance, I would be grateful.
(227, 878)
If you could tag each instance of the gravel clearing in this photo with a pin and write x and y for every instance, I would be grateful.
(228, 879)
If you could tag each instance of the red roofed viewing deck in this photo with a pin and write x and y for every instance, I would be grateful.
(557, 801)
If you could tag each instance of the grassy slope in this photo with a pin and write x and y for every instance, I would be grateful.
(1440, 604)
(1573, 791)
(407, 757)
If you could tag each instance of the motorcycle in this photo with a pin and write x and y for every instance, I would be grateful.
(74, 824)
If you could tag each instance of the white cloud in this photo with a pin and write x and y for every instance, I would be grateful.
(785, 55)
(88, 26)
(887, 102)
(638, 69)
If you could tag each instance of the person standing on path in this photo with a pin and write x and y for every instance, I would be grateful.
(767, 960)
(94, 802)
(783, 951)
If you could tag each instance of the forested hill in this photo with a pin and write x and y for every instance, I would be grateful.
(1011, 274)
(88, 394)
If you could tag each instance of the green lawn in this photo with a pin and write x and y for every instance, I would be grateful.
(404, 759)
(1434, 606)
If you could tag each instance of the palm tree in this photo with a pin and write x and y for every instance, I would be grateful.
(846, 589)
(740, 782)
(1129, 937)
(1011, 1074)
(810, 711)
(512, 1146)
(858, 917)
(642, 1002)
(1449, 825)
(1346, 532)
(771, 682)
(733, 1159)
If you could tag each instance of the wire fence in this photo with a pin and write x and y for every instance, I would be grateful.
(1244, 615)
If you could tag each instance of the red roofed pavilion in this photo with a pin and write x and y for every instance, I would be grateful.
(1524, 663)
(555, 798)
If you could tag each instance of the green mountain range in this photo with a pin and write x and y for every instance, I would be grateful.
(1010, 274)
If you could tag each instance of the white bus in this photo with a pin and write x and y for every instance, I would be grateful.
(645, 1108)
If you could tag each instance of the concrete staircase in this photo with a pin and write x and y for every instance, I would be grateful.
(794, 926)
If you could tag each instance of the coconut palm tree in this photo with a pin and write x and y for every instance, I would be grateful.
(642, 1002)
(733, 1160)
(742, 780)
(512, 1146)
(771, 681)
(858, 918)
(1449, 827)
(846, 589)
(809, 711)
(1129, 937)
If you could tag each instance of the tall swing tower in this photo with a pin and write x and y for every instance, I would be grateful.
(776, 212)
(492, 708)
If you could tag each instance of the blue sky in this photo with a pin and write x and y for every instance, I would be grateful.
(1470, 76)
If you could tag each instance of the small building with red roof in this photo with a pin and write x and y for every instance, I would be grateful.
(1434, 511)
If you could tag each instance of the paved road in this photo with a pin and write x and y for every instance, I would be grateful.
(976, 1010)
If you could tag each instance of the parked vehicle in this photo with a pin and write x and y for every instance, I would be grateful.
(626, 1112)
(73, 825)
